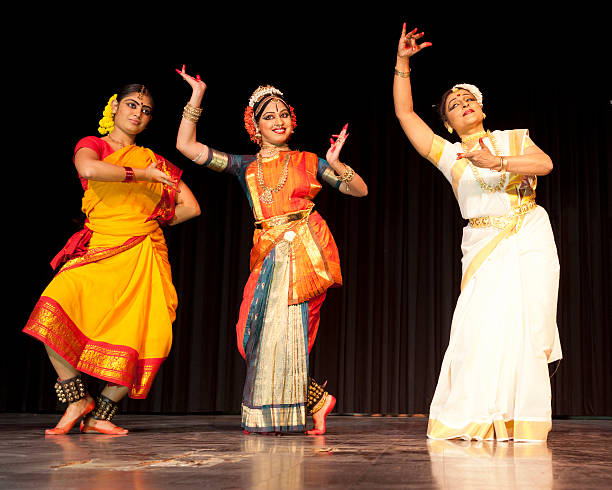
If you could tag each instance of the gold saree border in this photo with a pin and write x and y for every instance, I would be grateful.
(500, 430)
(118, 364)
(436, 150)
(96, 254)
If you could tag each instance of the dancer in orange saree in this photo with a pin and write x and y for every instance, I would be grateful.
(294, 259)
(109, 310)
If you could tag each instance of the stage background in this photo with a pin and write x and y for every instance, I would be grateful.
(384, 333)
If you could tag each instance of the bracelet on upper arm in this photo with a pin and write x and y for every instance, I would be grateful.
(195, 160)
(347, 175)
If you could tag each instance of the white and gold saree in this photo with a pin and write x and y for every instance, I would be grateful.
(494, 381)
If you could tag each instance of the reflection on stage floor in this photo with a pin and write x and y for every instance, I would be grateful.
(211, 451)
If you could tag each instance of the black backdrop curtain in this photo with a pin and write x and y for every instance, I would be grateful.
(384, 333)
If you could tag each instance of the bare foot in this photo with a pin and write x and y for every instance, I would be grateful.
(74, 411)
(102, 426)
(319, 416)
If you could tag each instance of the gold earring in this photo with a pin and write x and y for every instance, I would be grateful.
(450, 130)
(484, 116)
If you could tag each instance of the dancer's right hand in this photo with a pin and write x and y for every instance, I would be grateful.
(408, 43)
(196, 83)
(154, 174)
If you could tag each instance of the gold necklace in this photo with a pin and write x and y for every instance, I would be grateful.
(483, 185)
(266, 195)
(270, 151)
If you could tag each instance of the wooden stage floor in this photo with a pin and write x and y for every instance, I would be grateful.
(210, 451)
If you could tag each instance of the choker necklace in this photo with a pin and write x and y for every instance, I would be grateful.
(501, 185)
(266, 195)
(269, 151)
(473, 137)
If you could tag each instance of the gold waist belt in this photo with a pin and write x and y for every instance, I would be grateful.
(283, 219)
(502, 221)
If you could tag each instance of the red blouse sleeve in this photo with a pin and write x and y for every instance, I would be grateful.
(101, 147)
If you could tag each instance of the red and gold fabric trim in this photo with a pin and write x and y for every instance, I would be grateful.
(95, 254)
(118, 364)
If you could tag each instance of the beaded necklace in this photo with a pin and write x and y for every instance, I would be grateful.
(266, 195)
(483, 185)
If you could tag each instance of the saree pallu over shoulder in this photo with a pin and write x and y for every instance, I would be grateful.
(109, 310)
(135, 208)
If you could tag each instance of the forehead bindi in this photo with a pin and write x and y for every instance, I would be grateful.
(275, 106)
(135, 100)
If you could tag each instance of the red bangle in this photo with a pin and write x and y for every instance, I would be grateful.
(129, 174)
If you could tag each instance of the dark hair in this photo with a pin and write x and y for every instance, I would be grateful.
(441, 107)
(259, 107)
(131, 88)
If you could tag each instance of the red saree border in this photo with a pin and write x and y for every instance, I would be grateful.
(118, 364)
(96, 254)
(164, 211)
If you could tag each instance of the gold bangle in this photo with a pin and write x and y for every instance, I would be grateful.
(347, 175)
(403, 74)
(196, 111)
(190, 117)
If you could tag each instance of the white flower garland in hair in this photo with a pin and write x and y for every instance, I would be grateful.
(473, 89)
(262, 91)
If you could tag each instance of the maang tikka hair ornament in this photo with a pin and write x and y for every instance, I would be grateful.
(258, 100)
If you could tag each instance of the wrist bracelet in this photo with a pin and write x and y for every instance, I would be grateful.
(403, 74)
(192, 113)
(129, 174)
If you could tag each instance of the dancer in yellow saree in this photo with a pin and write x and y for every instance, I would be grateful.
(494, 381)
(109, 310)
(294, 259)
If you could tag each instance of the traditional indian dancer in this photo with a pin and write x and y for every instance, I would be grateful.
(294, 259)
(494, 381)
(109, 310)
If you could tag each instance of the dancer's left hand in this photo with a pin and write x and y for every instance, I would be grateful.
(482, 158)
(336, 146)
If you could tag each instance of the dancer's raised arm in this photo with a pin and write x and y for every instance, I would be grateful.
(186, 141)
(419, 133)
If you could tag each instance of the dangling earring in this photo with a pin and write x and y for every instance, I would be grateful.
(484, 116)
(450, 130)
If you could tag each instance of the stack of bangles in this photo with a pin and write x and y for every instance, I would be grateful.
(129, 174)
(192, 113)
(503, 164)
(348, 175)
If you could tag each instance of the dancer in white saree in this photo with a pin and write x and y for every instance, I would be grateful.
(494, 381)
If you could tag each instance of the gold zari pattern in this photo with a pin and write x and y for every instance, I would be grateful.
(502, 221)
(282, 219)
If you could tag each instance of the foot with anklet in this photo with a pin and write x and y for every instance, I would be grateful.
(319, 417)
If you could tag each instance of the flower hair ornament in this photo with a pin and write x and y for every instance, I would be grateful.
(258, 100)
(107, 123)
(473, 89)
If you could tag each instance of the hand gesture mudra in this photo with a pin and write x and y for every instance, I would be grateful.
(335, 146)
(196, 83)
(482, 158)
(153, 174)
(408, 43)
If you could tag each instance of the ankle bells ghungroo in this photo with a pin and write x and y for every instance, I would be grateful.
(71, 390)
(316, 397)
(105, 409)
